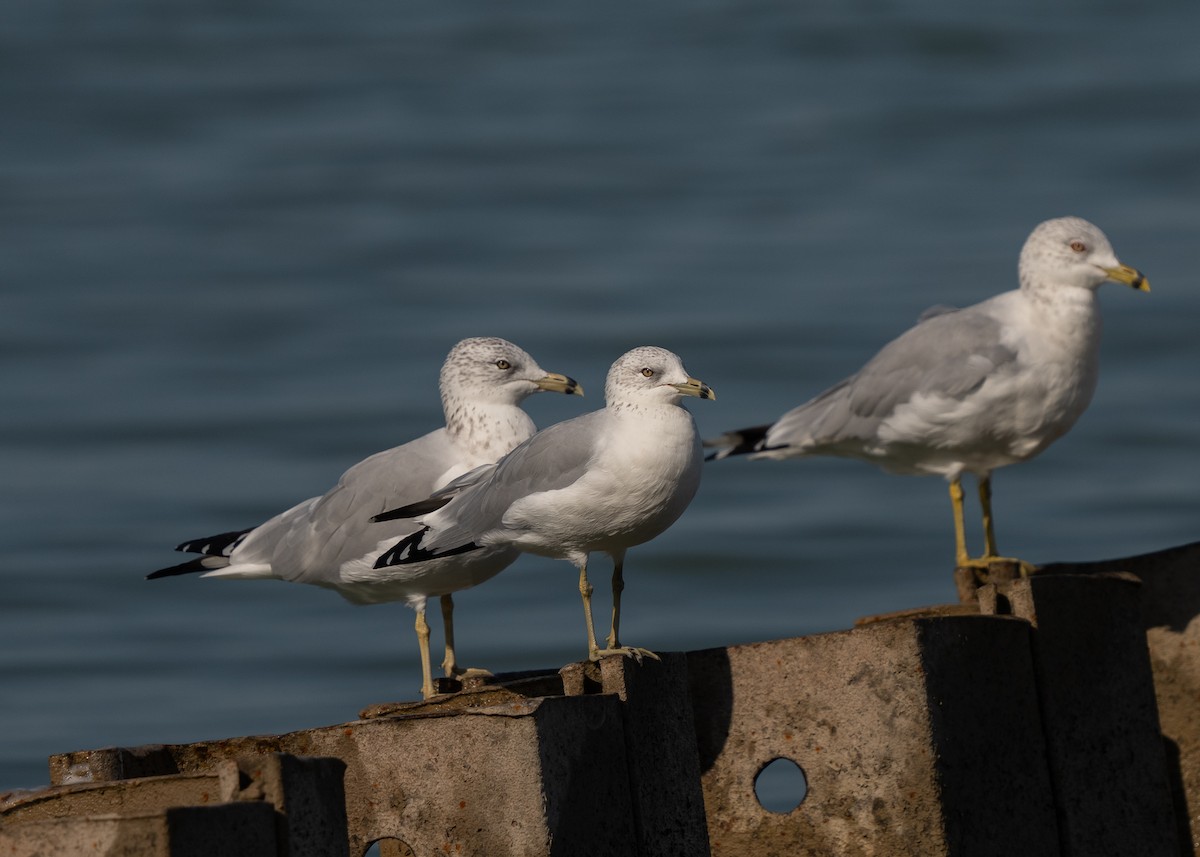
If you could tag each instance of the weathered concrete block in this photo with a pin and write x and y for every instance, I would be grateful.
(233, 829)
(531, 777)
(660, 748)
(1170, 610)
(229, 830)
(111, 763)
(1098, 709)
(128, 797)
(916, 737)
(305, 795)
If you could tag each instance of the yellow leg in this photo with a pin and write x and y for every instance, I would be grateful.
(449, 663)
(423, 642)
(585, 592)
(612, 644)
(985, 503)
(960, 533)
(618, 586)
(989, 535)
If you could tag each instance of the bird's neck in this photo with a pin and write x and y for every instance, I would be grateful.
(487, 432)
(1066, 318)
(661, 418)
(1080, 297)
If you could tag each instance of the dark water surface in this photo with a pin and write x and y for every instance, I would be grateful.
(240, 238)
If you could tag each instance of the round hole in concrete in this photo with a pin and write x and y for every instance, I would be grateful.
(388, 847)
(780, 786)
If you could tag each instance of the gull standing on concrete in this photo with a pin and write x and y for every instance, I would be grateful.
(329, 540)
(969, 390)
(605, 481)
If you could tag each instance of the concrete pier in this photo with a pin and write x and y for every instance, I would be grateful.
(1054, 716)
(916, 736)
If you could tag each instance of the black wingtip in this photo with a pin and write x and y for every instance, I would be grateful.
(412, 510)
(408, 550)
(190, 567)
(738, 442)
(222, 544)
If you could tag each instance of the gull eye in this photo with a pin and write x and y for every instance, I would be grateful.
(503, 364)
(1078, 246)
(648, 373)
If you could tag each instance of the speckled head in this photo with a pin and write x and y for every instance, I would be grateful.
(487, 369)
(1070, 252)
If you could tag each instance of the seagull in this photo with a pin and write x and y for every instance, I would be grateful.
(329, 541)
(968, 390)
(604, 481)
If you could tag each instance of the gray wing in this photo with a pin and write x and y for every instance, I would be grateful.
(438, 498)
(950, 353)
(552, 459)
(935, 310)
(310, 541)
(456, 486)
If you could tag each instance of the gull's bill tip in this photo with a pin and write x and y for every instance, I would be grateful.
(1129, 276)
(695, 387)
(556, 383)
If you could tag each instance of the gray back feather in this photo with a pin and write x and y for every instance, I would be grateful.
(553, 458)
(339, 527)
(949, 353)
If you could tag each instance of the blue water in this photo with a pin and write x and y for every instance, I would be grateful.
(239, 238)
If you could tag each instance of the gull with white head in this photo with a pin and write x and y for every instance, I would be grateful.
(329, 541)
(604, 481)
(968, 390)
